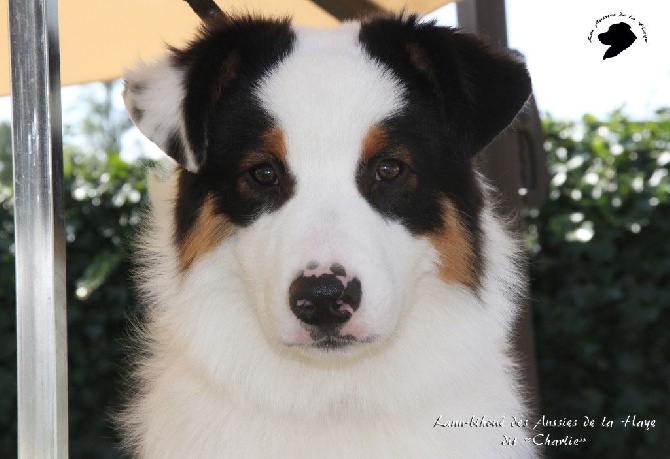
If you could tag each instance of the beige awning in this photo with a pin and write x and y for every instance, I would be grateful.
(100, 38)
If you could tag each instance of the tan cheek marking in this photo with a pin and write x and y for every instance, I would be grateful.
(454, 244)
(374, 142)
(207, 232)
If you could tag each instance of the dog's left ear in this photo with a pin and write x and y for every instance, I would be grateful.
(481, 89)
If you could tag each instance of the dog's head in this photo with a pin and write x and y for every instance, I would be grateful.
(334, 165)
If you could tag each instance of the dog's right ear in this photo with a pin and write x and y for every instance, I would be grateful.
(173, 113)
(173, 100)
(154, 96)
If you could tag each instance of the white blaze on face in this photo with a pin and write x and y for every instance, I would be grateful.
(325, 96)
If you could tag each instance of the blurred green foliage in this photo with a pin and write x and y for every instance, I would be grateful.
(7, 301)
(600, 269)
(103, 201)
(5, 154)
(105, 122)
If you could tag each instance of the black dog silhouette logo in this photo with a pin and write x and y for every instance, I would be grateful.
(622, 32)
(619, 37)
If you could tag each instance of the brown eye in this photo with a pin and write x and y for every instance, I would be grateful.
(265, 175)
(388, 169)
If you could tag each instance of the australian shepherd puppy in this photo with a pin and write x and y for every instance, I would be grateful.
(324, 272)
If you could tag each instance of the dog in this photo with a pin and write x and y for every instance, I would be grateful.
(324, 269)
(618, 37)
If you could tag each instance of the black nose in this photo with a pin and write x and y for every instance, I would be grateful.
(325, 300)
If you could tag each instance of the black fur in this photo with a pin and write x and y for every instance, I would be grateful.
(224, 121)
(479, 89)
(461, 94)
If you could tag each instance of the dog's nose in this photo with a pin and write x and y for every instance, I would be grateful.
(325, 300)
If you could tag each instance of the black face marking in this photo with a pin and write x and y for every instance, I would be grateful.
(460, 94)
(231, 53)
(478, 89)
(225, 122)
(413, 197)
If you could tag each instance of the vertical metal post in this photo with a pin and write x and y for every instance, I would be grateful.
(40, 243)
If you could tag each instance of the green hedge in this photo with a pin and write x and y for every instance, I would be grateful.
(600, 272)
(103, 199)
(600, 268)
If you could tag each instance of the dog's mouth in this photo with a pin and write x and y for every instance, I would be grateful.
(330, 341)
(333, 342)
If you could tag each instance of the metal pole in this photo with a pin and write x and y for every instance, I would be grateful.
(40, 243)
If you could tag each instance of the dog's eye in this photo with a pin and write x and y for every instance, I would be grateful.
(265, 175)
(388, 169)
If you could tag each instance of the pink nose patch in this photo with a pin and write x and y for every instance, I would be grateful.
(342, 306)
(316, 270)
